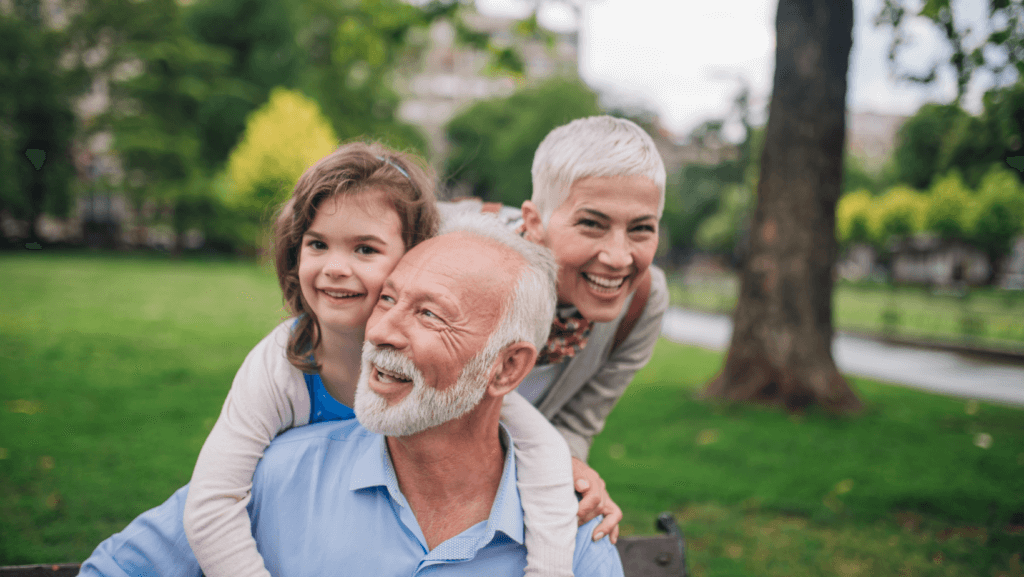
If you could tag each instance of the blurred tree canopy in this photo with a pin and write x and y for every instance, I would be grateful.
(988, 218)
(282, 138)
(493, 141)
(36, 119)
(940, 138)
(999, 52)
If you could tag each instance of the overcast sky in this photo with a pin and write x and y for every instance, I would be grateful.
(684, 59)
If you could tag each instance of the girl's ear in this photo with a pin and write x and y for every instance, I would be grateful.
(515, 362)
(533, 222)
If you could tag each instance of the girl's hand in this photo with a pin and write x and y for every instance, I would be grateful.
(595, 501)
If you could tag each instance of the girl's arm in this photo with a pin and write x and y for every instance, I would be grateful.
(267, 397)
(544, 476)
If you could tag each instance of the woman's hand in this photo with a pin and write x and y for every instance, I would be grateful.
(595, 501)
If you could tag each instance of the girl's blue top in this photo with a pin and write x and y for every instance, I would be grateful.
(322, 406)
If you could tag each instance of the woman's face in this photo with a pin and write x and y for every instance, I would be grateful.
(604, 237)
(350, 248)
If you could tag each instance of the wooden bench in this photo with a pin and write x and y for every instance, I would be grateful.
(652, 556)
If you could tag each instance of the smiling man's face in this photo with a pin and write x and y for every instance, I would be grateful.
(435, 315)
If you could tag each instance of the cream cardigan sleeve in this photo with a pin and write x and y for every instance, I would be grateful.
(267, 397)
(544, 478)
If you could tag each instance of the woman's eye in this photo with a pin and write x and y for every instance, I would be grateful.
(643, 228)
(588, 223)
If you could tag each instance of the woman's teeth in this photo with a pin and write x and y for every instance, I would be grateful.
(604, 284)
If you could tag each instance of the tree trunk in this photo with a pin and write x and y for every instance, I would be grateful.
(781, 349)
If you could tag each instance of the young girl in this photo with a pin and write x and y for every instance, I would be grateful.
(350, 219)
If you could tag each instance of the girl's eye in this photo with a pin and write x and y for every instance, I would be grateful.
(317, 244)
(366, 250)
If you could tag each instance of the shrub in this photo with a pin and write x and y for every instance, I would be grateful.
(899, 212)
(948, 208)
(998, 215)
(281, 139)
(853, 218)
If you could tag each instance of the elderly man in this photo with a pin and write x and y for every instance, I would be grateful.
(426, 482)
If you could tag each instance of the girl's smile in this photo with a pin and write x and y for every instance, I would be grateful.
(350, 248)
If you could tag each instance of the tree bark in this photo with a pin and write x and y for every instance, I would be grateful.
(781, 349)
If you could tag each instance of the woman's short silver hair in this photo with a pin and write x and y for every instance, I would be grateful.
(594, 146)
(530, 306)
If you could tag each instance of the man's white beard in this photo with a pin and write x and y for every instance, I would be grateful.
(424, 407)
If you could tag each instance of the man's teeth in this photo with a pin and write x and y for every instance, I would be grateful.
(606, 283)
(385, 377)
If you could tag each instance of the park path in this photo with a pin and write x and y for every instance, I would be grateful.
(944, 372)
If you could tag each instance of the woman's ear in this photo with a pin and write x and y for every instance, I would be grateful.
(533, 222)
(516, 361)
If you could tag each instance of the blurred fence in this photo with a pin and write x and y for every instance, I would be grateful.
(985, 319)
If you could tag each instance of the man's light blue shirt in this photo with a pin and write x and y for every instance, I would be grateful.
(325, 501)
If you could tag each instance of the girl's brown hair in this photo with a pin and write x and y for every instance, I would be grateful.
(407, 185)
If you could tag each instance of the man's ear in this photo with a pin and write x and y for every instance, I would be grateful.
(515, 363)
(534, 223)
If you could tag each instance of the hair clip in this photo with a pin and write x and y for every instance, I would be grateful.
(398, 168)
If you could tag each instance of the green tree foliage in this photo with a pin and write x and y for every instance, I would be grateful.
(1000, 50)
(493, 141)
(35, 114)
(946, 210)
(898, 213)
(723, 231)
(257, 38)
(701, 191)
(854, 218)
(998, 214)
(281, 139)
(918, 155)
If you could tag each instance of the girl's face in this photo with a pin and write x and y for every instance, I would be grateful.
(351, 247)
(604, 237)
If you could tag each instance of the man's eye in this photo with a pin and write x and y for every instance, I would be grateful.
(386, 299)
(429, 313)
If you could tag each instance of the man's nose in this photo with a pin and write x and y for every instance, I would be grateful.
(385, 328)
(615, 251)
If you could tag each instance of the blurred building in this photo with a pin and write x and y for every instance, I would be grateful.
(450, 75)
(871, 136)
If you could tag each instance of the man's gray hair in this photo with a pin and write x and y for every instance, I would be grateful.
(597, 146)
(530, 307)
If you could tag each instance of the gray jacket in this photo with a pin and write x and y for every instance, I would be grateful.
(578, 403)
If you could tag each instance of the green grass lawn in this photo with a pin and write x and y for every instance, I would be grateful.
(114, 370)
(987, 317)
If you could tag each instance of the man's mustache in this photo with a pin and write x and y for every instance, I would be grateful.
(390, 361)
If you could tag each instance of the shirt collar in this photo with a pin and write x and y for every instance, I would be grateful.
(373, 468)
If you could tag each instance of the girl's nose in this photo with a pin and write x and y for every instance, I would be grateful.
(337, 266)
